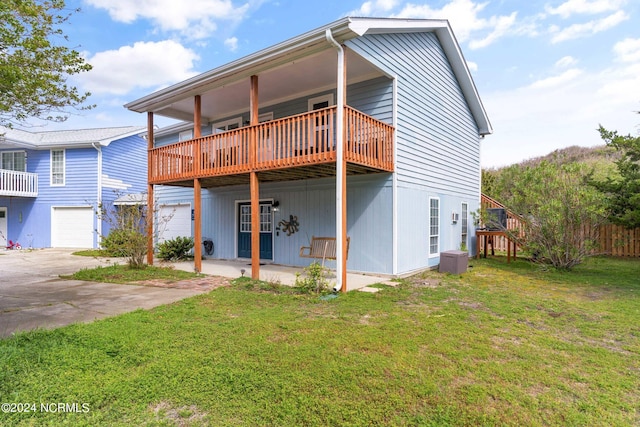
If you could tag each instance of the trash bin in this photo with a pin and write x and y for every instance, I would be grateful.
(454, 262)
(207, 243)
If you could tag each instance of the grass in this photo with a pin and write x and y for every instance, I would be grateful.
(117, 273)
(503, 344)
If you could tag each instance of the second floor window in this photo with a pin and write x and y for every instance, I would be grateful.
(57, 167)
(14, 161)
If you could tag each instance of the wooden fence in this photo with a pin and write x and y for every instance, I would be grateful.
(618, 241)
(614, 240)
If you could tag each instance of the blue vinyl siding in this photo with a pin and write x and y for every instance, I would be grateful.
(29, 219)
(313, 203)
(438, 144)
(438, 140)
(126, 161)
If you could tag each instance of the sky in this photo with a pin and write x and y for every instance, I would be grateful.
(549, 72)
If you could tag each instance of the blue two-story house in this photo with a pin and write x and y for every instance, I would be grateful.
(52, 183)
(364, 130)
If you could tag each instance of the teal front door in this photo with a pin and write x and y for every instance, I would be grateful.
(244, 231)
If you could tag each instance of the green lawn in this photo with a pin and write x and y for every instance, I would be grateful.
(499, 345)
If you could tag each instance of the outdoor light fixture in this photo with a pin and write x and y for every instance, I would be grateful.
(275, 206)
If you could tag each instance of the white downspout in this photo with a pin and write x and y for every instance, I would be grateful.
(99, 198)
(340, 103)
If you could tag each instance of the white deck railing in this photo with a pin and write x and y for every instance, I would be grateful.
(21, 184)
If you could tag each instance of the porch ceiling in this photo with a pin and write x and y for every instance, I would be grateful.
(296, 78)
(324, 170)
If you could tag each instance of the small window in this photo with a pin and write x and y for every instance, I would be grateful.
(14, 161)
(245, 219)
(319, 102)
(57, 167)
(434, 226)
(227, 125)
(464, 222)
(185, 135)
(265, 218)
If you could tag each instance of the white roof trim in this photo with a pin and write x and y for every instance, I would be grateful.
(309, 43)
(67, 138)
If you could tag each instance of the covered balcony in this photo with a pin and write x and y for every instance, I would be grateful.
(309, 107)
(18, 184)
(295, 147)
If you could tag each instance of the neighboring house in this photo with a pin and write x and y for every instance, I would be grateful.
(367, 128)
(52, 183)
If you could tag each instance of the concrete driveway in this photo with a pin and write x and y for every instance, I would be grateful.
(33, 296)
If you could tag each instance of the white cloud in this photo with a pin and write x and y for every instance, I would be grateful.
(561, 110)
(557, 81)
(589, 28)
(572, 7)
(376, 7)
(628, 50)
(565, 62)
(473, 66)
(231, 43)
(464, 16)
(195, 18)
(501, 25)
(143, 65)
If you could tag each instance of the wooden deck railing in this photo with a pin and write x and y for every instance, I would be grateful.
(20, 184)
(304, 139)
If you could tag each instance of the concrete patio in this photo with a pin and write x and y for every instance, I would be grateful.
(275, 273)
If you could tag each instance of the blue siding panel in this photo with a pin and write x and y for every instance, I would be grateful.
(30, 218)
(438, 143)
(438, 140)
(369, 202)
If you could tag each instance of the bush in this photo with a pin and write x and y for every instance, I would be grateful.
(561, 214)
(175, 249)
(115, 244)
(314, 280)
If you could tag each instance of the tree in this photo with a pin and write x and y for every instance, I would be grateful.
(128, 225)
(561, 212)
(34, 63)
(623, 191)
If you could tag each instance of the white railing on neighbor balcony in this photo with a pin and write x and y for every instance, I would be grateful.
(21, 184)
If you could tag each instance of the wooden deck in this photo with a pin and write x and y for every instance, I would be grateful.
(295, 147)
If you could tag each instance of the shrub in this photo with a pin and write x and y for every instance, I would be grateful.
(175, 249)
(314, 280)
(115, 244)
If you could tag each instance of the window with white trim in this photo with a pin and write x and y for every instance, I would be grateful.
(318, 102)
(185, 135)
(434, 226)
(265, 218)
(464, 222)
(227, 125)
(57, 167)
(14, 161)
(245, 218)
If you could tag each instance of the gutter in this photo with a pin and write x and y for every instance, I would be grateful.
(98, 148)
(340, 172)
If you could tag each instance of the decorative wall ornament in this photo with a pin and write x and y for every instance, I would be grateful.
(290, 227)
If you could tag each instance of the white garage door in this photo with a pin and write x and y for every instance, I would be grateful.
(72, 227)
(174, 221)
